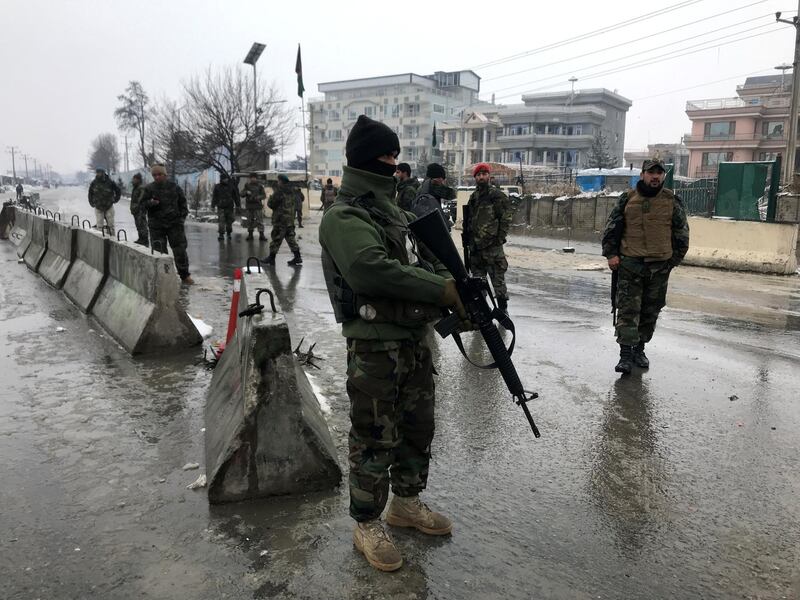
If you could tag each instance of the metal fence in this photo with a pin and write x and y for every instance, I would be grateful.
(697, 196)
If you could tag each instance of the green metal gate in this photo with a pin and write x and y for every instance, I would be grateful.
(747, 191)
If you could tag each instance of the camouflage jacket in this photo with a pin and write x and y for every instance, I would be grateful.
(254, 196)
(406, 192)
(281, 201)
(165, 202)
(103, 193)
(136, 198)
(328, 195)
(299, 199)
(615, 229)
(364, 239)
(425, 202)
(225, 195)
(490, 217)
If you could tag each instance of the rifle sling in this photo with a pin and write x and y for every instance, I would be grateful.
(506, 322)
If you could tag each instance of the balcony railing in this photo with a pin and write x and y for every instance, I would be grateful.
(722, 103)
(738, 137)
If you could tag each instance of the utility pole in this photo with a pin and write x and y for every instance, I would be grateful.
(25, 158)
(11, 150)
(791, 142)
(35, 168)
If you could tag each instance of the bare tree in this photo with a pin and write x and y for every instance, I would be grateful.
(133, 113)
(171, 139)
(104, 153)
(220, 128)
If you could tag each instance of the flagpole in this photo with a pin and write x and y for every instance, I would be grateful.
(305, 153)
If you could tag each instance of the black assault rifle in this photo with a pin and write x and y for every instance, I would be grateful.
(431, 230)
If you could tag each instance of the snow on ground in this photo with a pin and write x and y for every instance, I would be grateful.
(204, 328)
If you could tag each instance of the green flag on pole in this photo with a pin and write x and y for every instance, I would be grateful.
(298, 68)
(433, 142)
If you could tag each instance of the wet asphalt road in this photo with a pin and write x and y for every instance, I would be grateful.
(678, 482)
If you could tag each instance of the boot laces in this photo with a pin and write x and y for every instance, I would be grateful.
(376, 528)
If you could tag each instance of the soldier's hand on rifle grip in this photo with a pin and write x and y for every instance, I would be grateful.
(452, 300)
(613, 263)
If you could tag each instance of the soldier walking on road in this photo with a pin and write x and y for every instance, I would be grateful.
(139, 211)
(646, 236)
(384, 303)
(282, 203)
(20, 190)
(328, 194)
(103, 195)
(225, 199)
(166, 214)
(489, 220)
(299, 200)
(254, 196)
(407, 186)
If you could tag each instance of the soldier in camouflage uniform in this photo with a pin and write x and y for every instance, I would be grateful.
(646, 236)
(407, 186)
(103, 195)
(282, 203)
(384, 303)
(328, 194)
(225, 199)
(254, 196)
(166, 213)
(490, 217)
(138, 211)
(432, 192)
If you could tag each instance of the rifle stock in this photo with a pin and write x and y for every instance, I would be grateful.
(431, 230)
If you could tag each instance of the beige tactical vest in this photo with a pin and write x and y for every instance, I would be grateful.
(648, 225)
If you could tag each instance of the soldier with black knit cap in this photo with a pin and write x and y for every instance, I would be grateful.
(407, 186)
(433, 191)
(384, 295)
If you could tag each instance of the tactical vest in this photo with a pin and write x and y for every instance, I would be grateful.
(347, 305)
(648, 225)
(328, 196)
(103, 194)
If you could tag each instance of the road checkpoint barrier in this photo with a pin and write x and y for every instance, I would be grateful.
(265, 432)
(138, 304)
(38, 242)
(59, 255)
(743, 245)
(88, 273)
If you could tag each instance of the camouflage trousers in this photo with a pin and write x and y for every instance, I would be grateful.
(140, 219)
(225, 218)
(175, 234)
(391, 390)
(490, 263)
(641, 294)
(255, 220)
(281, 231)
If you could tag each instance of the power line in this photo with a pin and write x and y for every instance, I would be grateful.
(704, 84)
(596, 32)
(646, 37)
(634, 65)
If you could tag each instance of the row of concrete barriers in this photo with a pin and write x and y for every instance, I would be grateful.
(132, 292)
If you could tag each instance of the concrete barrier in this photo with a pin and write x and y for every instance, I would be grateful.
(59, 255)
(88, 273)
(138, 304)
(38, 227)
(265, 433)
(20, 233)
(743, 245)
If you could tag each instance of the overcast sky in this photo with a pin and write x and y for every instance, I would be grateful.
(63, 62)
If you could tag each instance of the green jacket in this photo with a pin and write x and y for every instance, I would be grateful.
(225, 195)
(165, 202)
(282, 203)
(615, 229)
(490, 218)
(254, 196)
(136, 198)
(364, 242)
(406, 192)
(103, 193)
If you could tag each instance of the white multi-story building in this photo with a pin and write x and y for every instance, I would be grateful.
(408, 103)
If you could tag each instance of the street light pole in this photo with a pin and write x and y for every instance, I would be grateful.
(11, 150)
(251, 59)
(791, 141)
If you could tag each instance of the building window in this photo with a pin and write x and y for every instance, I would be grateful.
(333, 115)
(438, 108)
(772, 129)
(451, 137)
(352, 114)
(335, 173)
(712, 159)
(335, 135)
(412, 110)
(768, 155)
(722, 130)
(369, 111)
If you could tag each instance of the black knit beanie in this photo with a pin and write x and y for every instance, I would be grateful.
(435, 170)
(368, 140)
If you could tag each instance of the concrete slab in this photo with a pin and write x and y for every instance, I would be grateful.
(59, 255)
(19, 235)
(138, 304)
(34, 253)
(89, 269)
(265, 432)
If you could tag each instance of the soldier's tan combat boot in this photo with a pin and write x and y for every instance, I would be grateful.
(372, 540)
(412, 512)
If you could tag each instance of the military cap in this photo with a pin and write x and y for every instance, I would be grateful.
(283, 178)
(481, 167)
(652, 163)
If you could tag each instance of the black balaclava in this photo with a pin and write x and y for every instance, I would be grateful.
(367, 141)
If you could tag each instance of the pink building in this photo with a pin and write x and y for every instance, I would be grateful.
(748, 127)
